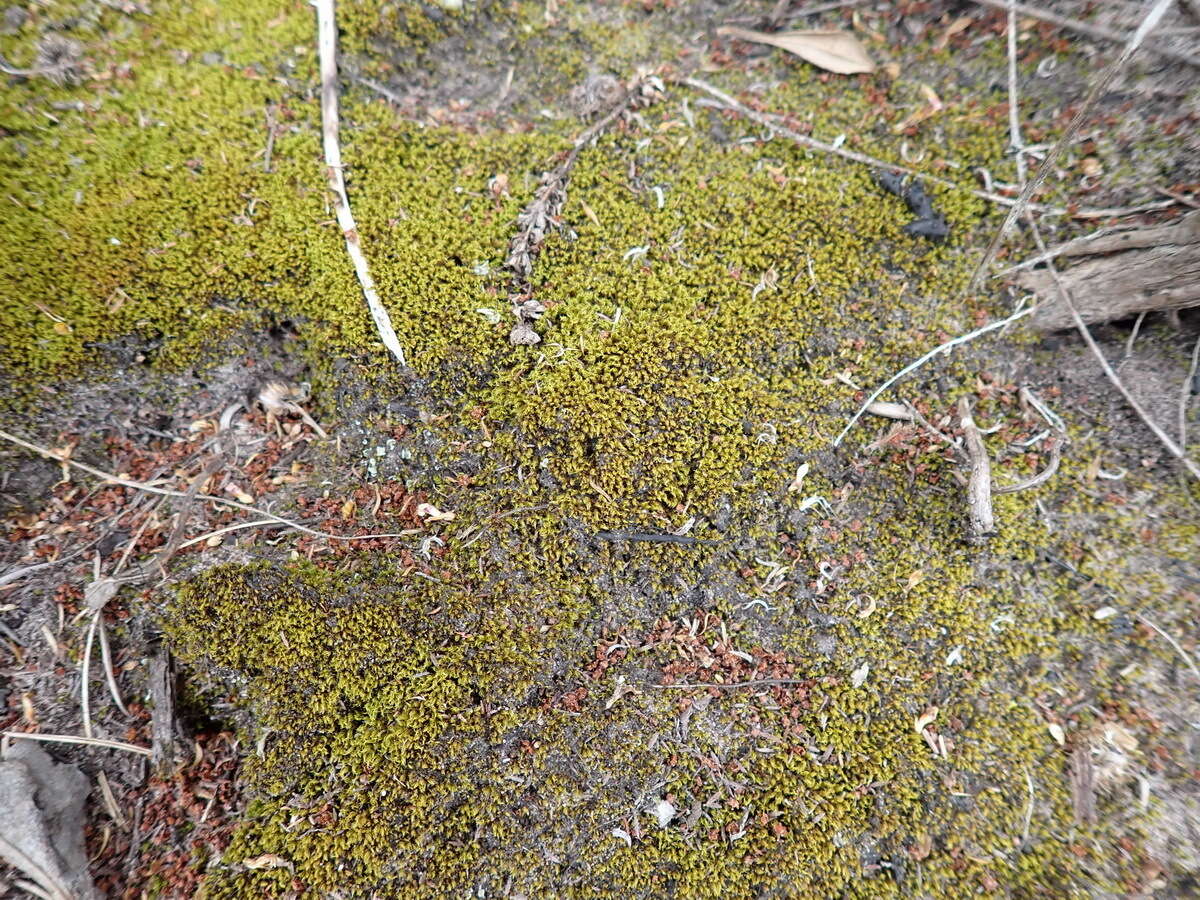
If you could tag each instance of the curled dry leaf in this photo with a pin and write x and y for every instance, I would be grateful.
(798, 481)
(267, 861)
(859, 675)
(834, 51)
(1057, 732)
(431, 513)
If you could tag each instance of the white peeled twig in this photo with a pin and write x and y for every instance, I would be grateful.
(913, 366)
(327, 48)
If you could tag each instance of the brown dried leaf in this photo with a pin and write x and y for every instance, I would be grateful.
(921, 848)
(833, 51)
(267, 861)
(959, 24)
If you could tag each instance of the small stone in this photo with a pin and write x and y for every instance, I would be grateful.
(14, 18)
(523, 334)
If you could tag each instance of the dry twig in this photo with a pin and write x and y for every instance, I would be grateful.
(1014, 112)
(1185, 392)
(327, 48)
(541, 215)
(1040, 478)
(1065, 296)
(1095, 31)
(208, 498)
(756, 682)
(913, 366)
(979, 489)
(1153, 17)
(74, 739)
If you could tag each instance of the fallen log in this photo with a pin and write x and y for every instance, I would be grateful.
(1147, 270)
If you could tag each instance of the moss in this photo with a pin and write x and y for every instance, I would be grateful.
(703, 318)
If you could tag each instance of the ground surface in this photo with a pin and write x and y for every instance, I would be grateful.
(498, 703)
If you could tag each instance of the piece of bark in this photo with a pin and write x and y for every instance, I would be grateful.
(1148, 270)
(162, 713)
(41, 822)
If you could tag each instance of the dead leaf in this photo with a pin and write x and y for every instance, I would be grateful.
(97, 593)
(916, 578)
(926, 719)
(933, 106)
(922, 848)
(798, 481)
(959, 24)
(433, 514)
(833, 51)
(267, 861)
(859, 675)
(1057, 732)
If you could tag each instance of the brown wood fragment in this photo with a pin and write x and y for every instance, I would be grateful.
(1082, 777)
(979, 488)
(1151, 269)
(162, 714)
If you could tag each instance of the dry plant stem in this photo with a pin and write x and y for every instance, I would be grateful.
(1014, 114)
(766, 120)
(109, 677)
(1185, 393)
(185, 513)
(1137, 326)
(913, 366)
(1153, 17)
(757, 682)
(86, 675)
(1065, 296)
(935, 432)
(73, 739)
(149, 488)
(327, 48)
(813, 144)
(554, 188)
(979, 488)
(1174, 643)
(1096, 31)
(47, 884)
(1040, 478)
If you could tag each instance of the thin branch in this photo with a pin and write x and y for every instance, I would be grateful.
(1185, 393)
(1095, 31)
(383, 91)
(1064, 295)
(1014, 111)
(1174, 643)
(804, 140)
(757, 682)
(151, 489)
(74, 739)
(1153, 17)
(979, 488)
(1040, 478)
(913, 366)
(327, 48)
(1137, 326)
(109, 676)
